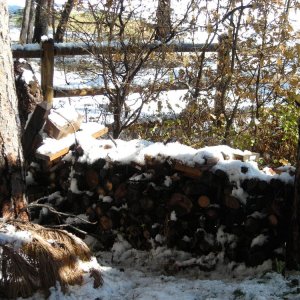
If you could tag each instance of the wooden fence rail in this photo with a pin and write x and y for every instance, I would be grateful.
(47, 50)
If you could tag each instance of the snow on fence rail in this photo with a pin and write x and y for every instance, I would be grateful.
(47, 50)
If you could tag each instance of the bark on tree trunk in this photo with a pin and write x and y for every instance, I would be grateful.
(163, 15)
(41, 21)
(31, 23)
(25, 22)
(62, 26)
(12, 183)
(223, 73)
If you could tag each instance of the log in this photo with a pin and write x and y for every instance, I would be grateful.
(121, 192)
(273, 220)
(221, 177)
(203, 201)
(195, 188)
(232, 202)
(92, 179)
(147, 203)
(178, 200)
(192, 172)
(212, 213)
(253, 225)
(105, 223)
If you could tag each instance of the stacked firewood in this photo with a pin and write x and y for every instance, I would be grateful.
(199, 209)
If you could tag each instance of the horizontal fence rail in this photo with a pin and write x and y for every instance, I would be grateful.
(47, 50)
(65, 49)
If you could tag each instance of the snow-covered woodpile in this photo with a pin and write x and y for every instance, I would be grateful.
(209, 201)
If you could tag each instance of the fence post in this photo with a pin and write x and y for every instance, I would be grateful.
(47, 70)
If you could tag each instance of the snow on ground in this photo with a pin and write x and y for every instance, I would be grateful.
(130, 274)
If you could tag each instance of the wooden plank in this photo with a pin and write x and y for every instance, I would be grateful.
(51, 157)
(100, 133)
(60, 153)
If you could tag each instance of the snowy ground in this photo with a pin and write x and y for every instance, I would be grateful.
(130, 274)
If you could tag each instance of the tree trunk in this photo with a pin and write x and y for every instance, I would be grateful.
(31, 23)
(163, 15)
(25, 22)
(62, 26)
(41, 21)
(223, 71)
(12, 183)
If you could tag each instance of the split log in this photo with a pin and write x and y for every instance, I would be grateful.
(192, 172)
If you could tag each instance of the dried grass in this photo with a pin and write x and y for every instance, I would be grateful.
(51, 257)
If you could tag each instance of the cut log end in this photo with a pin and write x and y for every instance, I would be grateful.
(203, 201)
(232, 202)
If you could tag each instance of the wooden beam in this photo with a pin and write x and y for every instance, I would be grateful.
(61, 152)
(26, 51)
(61, 92)
(65, 49)
(47, 70)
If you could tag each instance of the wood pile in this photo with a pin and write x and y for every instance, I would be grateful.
(166, 203)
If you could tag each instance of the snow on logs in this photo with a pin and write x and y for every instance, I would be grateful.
(202, 201)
